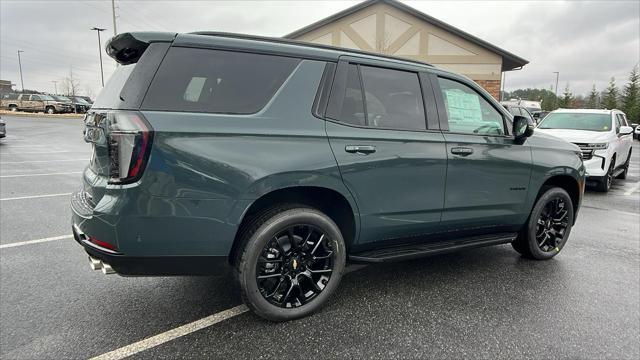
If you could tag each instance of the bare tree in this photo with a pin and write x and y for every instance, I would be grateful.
(70, 85)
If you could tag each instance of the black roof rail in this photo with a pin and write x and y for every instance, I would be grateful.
(307, 44)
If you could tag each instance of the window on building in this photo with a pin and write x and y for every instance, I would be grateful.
(468, 112)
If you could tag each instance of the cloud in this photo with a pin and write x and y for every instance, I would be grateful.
(587, 42)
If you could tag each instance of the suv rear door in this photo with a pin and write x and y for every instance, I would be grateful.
(488, 172)
(391, 162)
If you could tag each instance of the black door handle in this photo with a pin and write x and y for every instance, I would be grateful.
(462, 151)
(360, 149)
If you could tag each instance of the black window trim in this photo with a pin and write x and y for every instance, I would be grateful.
(442, 112)
(339, 87)
(320, 103)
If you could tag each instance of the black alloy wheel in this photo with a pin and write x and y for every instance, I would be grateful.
(295, 266)
(548, 228)
(552, 225)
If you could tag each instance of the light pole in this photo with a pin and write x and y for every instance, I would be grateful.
(55, 86)
(99, 30)
(20, 65)
(555, 101)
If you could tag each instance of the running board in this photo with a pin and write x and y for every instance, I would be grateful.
(617, 172)
(412, 251)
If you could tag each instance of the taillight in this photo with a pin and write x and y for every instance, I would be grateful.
(129, 140)
(103, 244)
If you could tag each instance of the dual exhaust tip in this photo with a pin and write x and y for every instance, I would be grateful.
(97, 264)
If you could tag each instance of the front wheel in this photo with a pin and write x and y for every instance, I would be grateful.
(549, 225)
(625, 168)
(50, 110)
(605, 184)
(291, 262)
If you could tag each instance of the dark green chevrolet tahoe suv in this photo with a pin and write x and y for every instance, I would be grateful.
(285, 161)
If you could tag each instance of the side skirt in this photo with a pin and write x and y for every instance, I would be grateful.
(412, 251)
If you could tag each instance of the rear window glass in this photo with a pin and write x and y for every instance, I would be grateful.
(216, 81)
(109, 97)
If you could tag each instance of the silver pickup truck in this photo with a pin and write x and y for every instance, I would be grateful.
(34, 103)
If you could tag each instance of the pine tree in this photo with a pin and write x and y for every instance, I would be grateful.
(610, 98)
(631, 96)
(592, 100)
(566, 101)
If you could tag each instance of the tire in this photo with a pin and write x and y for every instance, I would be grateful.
(623, 174)
(13, 108)
(605, 184)
(279, 296)
(50, 110)
(536, 240)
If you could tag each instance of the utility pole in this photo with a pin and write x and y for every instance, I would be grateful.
(99, 30)
(55, 86)
(20, 65)
(556, 98)
(113, 14)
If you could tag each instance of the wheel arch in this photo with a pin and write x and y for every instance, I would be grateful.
(567, 182)
(339, 207)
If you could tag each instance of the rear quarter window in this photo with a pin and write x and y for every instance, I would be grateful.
(216, 81)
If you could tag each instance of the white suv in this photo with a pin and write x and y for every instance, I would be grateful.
(603, 136)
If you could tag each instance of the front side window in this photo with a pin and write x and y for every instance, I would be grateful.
(468, 112)
(217, 81)
(35, 97)
(577, 121)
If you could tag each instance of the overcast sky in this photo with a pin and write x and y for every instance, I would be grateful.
(586, 41)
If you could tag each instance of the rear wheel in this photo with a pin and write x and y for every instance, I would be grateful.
(605, 184)
(50, 110)
(625, 169)
(13, 108)
(291, 261)
(548, 227)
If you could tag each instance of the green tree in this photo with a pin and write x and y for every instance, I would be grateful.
(631, 96)
(567, 99)
(610, 98)
(592, 100)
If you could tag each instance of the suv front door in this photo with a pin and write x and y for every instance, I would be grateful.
(391, 163)
(488, 172)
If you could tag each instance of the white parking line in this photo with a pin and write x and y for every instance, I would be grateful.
(47, 174)
(34, 197)
(37, 241)
(167, 336)
(35, 152)
(633, 189)
(39, 161)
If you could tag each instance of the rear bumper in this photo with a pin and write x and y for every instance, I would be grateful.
(152, 266)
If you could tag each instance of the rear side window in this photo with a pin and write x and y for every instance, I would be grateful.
(217, 81)
(11, 97)
(392, 99)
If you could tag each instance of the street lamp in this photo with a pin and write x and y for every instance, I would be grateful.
(55, 86)
(99, 30)
(20, 65)
(556, 98)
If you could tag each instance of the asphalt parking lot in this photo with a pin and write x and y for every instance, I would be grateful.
(486, 303)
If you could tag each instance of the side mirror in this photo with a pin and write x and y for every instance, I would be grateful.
(522, 127)
(625, 130)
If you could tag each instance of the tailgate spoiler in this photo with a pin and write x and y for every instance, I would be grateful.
(127, 48)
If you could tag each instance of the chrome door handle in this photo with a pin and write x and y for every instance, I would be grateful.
(360, 149)
(462, 151)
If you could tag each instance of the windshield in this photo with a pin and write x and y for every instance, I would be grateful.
(60, 98)
(577, 121)
(533, 109)
(82, 101)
